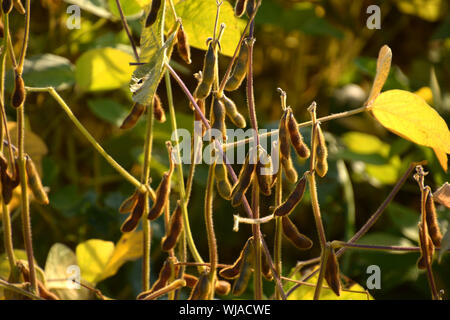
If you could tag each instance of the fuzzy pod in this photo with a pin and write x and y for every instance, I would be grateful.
(201, 105)
(251, 7)
(232, 272)
(133, 219)
(34, 182)
(262, 170)
(190, 279)
(218, 117)
(158, 110)
(296, 137)
(239, 70)
(239, 7)
(244, 179)
(289, 170)
(129, 203)
(283, 137)
(332, 275)
(431, 219)
(265, 268)
(153, 14)
(232, 112)
(245, 270)
(132, 118)
(7, 6)
(222, 183)
(19, 93)
(321, 153)
(184, 49)
(164, 275)
(426, 248)
(209, 72)
(7, 189)
(291, 232)
(222, 287)
(18, 6)
(163, 191)
(202, 288)
(293, 199)
(174, 230)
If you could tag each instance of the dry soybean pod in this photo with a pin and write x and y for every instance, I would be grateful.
(222, 287)
(296, 137)
(133, 219)
(245, 271)
(34, 181)
(129, 203)
(202, 288)
(164, 275)
(174, 230)
(153, 14)
(222, 183)
(426, 248)
(19, 7)
(18, 95)
(332, 273)
(5, 180)
(232, 112)
(136, 112)
(239, 7)
(291, 232)
(265, 268)
(383, 68)
(218, 117)
(184, 49)
(431, 218)
(244, 179)
(190, 279)
(251, 6)
(293, 199)
(158, 110)
(283, 139)
(321, 153)
(232, 271)
(209, 72)
(264, 171)
(239, 70)
(7, 6)
(163, 191)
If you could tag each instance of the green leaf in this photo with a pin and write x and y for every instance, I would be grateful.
(131, 8)
(93, 256)
(307, 292)
(385, 239)
(49, 70)
(108, 110)
(103, 69)
(60, 264)
(404, 219)
(4, 263)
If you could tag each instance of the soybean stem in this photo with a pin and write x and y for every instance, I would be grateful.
(212, 243)
(127, 30)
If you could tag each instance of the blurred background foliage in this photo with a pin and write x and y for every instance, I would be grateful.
(314, 50)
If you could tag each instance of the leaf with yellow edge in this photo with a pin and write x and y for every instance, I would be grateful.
(93, 256)
(305, 292)
(383, 67)
(409, 116)
(128, 248)
(442, 158)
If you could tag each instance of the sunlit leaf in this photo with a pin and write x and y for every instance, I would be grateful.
(304, 292)
(198, 22)
(59, 267)
(430, 10)
(131, 8)
(410, 117)
(383, 68)
(93, 256)
(128, 248)
(96, 7)
(103, 69)
(442, 195)
(426, 94)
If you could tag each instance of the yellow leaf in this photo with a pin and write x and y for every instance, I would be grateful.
(383, 68)
(442, 157)
(430, 10)
(93, 256)
(426, 94)
(128, 248)
(409, 116)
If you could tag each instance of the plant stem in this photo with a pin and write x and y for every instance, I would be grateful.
(127, 30)
(343, 244)
(323, 266)
(25, 204)
(278, 230)
(365, 227)
(186, 226)
(124, 173)
(25, 38)
(212, 243)
(145, 179)
(12, 287)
